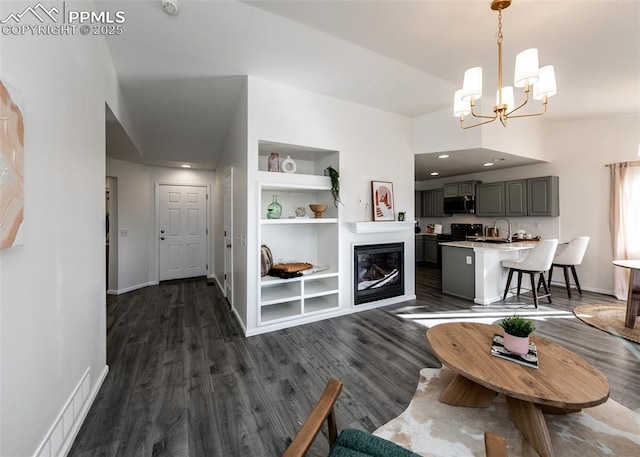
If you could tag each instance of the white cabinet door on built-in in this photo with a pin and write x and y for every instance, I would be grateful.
(182, 226)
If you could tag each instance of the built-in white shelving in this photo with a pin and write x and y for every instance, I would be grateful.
(298, 239)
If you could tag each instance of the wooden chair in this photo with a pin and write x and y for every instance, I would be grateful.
(356, 442)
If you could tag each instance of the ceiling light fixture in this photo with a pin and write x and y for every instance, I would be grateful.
(527, 75)
(443, 156)
(488, 164)
(185, 165)
(434, 173)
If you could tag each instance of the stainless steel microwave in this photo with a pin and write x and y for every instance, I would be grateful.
(454, 205)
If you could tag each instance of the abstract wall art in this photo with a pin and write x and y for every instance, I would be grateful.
(382, 193)
(11, 167)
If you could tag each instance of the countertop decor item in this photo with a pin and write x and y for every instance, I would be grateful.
(288, 165)
(318, 209)
(335, 184)
(516, 333)
(301, 212)
(274, 210)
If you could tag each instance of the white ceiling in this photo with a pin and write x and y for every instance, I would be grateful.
(182, 75)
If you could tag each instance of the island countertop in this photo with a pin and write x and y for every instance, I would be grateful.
(473, 269)
(480, 246)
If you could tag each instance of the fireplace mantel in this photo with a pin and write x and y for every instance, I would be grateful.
(381, 227)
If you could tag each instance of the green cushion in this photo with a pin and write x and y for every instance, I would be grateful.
(356, 443)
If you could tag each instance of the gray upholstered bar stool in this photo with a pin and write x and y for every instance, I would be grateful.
(568, 258)
(535, 263)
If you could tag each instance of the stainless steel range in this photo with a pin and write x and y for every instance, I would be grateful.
(460, 232)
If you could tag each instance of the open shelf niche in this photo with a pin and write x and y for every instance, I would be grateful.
(298, 239)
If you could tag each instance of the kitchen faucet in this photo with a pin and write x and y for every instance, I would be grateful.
(495, 223)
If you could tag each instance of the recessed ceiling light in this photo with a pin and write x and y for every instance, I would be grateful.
(488, 164)
(498, 159)
(443, 156)
(434, 173)
(185, 165)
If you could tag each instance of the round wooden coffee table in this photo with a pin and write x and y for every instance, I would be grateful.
(563, 383)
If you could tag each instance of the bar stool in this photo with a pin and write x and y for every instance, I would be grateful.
(568, 258)
(536, 262)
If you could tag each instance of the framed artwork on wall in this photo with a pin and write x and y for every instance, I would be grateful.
(382, 197)
(12, 167)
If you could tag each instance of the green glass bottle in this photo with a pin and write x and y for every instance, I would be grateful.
(274, 210)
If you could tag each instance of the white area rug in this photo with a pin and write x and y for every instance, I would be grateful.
(431, 428)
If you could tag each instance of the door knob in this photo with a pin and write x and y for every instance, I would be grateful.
(162, 238)
(229, 246)
(161, 231)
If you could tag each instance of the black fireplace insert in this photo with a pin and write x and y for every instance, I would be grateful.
(378, 272)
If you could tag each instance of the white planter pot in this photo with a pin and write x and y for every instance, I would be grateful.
(517, 344)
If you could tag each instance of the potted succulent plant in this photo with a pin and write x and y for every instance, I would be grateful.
(516, 333)
(335, 184)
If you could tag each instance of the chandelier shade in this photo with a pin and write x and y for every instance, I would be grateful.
(546, 85)
(528, 76)
(526, 68)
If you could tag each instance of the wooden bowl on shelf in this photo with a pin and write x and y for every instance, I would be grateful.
(318, 209)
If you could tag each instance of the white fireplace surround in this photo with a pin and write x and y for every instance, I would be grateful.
(381, 227)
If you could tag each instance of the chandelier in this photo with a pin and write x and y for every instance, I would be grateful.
(527, 75)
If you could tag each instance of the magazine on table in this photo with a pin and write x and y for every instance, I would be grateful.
(530, 359)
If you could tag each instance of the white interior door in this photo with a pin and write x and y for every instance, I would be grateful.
(182, 231)
(228, 236)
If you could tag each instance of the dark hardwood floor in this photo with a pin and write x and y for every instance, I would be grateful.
(184, 381)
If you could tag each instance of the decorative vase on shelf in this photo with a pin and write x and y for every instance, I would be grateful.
(274, 210)
(288, 165)
(274, 162)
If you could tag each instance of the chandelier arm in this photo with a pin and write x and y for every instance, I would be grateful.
(482, 116)
(530, 114)
(479, 123)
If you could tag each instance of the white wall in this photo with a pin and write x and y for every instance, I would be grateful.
(440, 132)
(138, 252)
(578, 152)
(52, 301)
(373, 145)
(234, 156)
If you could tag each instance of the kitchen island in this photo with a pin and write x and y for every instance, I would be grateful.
(473, 270)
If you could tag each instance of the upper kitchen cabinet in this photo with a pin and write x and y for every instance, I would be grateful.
(418, 203)
(433, 203)
(490, 201)
(515, 193)
(438, 203)
(460, 189)
(543, 196)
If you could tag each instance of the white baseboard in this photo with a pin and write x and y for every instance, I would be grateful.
(132, 288)
(65, 428)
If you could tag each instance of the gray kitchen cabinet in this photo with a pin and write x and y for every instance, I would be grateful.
(420, 252)
(433, 203)
(427, 203)
(515, 193)
(438, 203)
(458, 272)
(451, 190)
(460, 189)
(430, 249)
(467, 188)
(418, 203)
(543, 196)
(490, 199)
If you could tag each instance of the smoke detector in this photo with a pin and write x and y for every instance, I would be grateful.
(170, 6)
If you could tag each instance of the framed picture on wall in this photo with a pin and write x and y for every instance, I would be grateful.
(382, 197)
